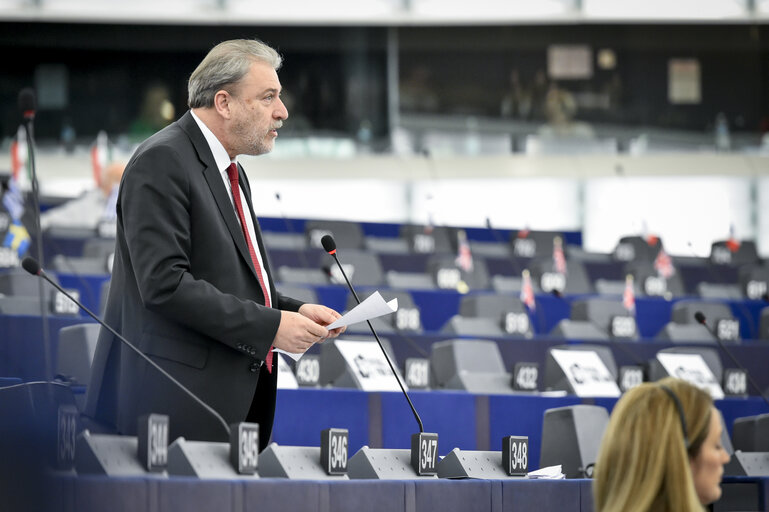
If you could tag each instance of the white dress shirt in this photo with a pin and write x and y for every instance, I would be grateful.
(223, 162)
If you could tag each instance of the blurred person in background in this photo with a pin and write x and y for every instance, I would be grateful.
(661, 452)
(92, 206)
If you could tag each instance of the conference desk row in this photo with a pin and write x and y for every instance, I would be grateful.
(462, 420)
(91, 494)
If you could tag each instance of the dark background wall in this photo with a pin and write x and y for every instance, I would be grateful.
(335, 77)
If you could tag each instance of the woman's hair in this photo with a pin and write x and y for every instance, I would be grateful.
(644, 461)
(224, 66)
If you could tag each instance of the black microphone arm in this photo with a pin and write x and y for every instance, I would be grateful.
(700, 317)
(330, 246)
(33, 267)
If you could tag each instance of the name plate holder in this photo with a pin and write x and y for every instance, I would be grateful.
(630, 376)
(244, 447)
(424, 453)
(525, 376)
(66, 437)
(417, 370)
(735, 382)
(334, 444)
(152, 436)
(515, 455)
(308, 371)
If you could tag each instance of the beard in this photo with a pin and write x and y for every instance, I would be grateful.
(250, 139)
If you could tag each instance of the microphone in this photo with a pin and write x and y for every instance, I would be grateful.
(699, 316)
(33, 267)
(329, 245)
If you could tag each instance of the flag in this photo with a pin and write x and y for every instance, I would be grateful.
(650, 238)
(464, 258)
(628, 296)
(527, 291)
(100, 156)
(523, 233)
(732, 243)
(19, 158)
(109, 214)
(17, 237)
(664, 265)
(559, 260)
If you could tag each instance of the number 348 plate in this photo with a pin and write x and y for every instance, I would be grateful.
(515, 455)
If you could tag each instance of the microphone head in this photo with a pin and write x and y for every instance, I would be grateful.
(700, 317)
(31, 265)
(27, 102)
(328, 243)
(277, 196)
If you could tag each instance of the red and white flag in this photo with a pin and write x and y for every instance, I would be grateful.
(663, 264)
(100, 156)
(732, 243)
(464, 256)
(19, 159)
(628, 296)
(527, 291)
(559, 260)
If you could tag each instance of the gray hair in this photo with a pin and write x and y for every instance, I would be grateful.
(226, 64)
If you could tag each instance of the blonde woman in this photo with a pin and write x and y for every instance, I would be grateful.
(661, 451)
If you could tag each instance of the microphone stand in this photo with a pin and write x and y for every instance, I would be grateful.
(332, 252)
(700, 317)
(33, 267)
(27, 103)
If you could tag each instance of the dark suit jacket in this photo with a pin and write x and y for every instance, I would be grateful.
(185, 292)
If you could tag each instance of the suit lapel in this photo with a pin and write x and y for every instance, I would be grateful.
(215, 183)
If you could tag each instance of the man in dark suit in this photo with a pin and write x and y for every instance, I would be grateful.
(191, 285)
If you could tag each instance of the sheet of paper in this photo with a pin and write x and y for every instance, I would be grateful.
(295, 357)
(374, 306)
(548, 473)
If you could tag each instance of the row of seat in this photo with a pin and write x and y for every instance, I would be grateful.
(425, 257)
(491, 314)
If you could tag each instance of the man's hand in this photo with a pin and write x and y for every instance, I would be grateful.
(296, 333)
(323, 316)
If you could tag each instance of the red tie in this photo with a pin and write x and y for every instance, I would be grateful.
(232, 172)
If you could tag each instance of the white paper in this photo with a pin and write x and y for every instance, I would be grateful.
(586, 372)
(691, 368)
(548, 473)
(293, 356)
(286, 378)
(368, 364)
(374, 306)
